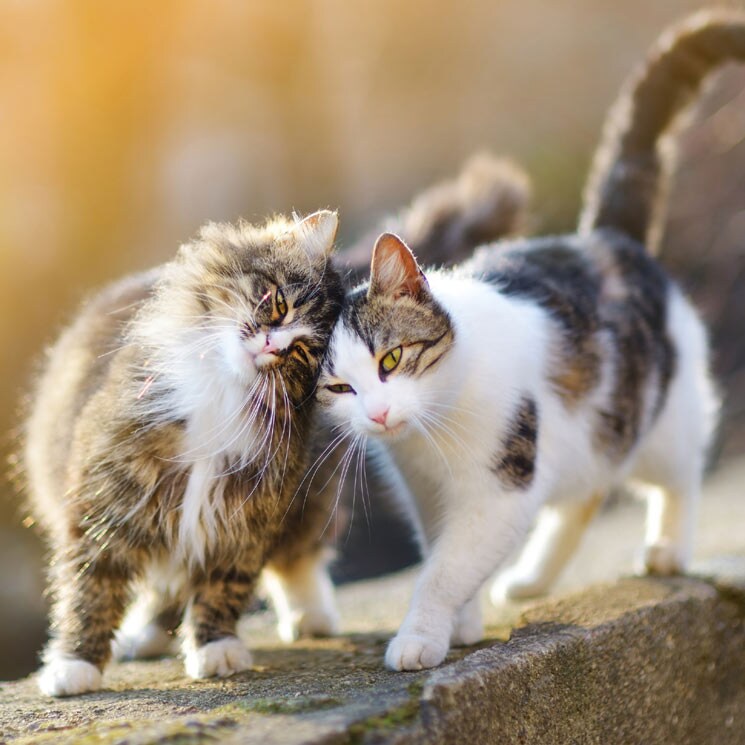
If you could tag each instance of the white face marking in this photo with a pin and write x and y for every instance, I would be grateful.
(245, 356)
(384, 407)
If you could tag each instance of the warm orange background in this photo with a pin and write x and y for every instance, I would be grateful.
(124, 125)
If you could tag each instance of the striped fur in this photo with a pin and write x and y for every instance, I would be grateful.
(168, 438)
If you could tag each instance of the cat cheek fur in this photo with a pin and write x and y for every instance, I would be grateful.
(238, 359)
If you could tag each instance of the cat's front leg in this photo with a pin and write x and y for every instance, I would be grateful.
(89, 600)
(481, 527)
(211, 647)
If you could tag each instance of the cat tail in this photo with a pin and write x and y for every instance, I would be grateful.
(486, 201)
(627, 186)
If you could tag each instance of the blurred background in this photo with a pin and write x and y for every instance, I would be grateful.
(125, 125)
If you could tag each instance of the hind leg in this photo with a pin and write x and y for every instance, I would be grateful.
(302, 594)
(149, 628)
(673, 477)
(149, 625)
(671, 516)
(550, 546)
(297, 575)
(673, 456)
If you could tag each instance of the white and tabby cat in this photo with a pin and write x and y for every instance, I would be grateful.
(539, 375)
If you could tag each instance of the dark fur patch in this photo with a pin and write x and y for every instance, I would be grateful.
(602, 285)
(565, 282)
(514, 464)
(637, 323)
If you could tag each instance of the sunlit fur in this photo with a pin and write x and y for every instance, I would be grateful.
(555, 369)
(167, 439)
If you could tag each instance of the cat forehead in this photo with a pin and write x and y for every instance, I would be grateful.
(380, 321)
(350, 355)
(235, 252)
(258, 272)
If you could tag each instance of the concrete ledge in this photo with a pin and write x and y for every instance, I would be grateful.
(639, 661)
(643, 661)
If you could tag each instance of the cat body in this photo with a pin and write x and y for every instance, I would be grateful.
(166, 443)
(526, 383)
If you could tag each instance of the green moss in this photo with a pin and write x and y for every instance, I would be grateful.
(400, 716)
(287, 706)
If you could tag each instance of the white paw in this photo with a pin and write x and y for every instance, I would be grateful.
(217, 659)
(513, 586)
(664, 559)
(311, 622)
(414, 652)
(469, 628)
(68, 676)
(151, 640)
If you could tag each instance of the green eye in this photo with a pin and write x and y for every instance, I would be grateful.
(391, 360)
(281, 303)
(340, 388)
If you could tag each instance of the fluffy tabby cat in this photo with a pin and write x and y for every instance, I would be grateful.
(168, 437)
(540, 374)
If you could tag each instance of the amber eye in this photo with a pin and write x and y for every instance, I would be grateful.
(391, 360)
(281, 303)
(340, 388)
(299, 350)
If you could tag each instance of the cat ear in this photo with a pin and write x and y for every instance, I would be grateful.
(394, 270)
(317, 232)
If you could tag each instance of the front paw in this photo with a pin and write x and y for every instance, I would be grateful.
(414, 652)
(220, 658)
(68, 676)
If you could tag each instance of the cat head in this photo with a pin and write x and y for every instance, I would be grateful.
(383, 375)
(243, 302)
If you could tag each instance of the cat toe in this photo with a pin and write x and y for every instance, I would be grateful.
(414, 652)
(68, 676)
(220, 659)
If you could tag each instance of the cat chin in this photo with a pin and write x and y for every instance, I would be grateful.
(243, 366)
(390, 434)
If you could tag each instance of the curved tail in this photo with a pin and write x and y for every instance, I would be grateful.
(486, 201)
(627, 181)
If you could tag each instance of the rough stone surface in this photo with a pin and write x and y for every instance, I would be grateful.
(633, 661)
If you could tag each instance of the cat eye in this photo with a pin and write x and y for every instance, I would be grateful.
(280, 302)
(391, 360)
(340, 388)
(299, 350)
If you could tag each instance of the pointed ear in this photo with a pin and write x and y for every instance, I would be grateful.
(317, 232)
(394, 270)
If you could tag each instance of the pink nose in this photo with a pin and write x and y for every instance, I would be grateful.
(269, 347)
(380, 417)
